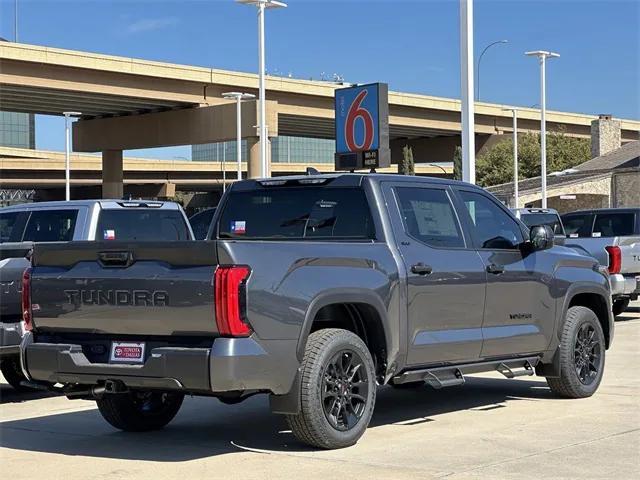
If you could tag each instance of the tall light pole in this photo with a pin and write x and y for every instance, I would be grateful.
(542, 57)
(262, 5)
(67, 150)
(15, 21)
(466, 97)
(238, 97)
(480, 60)
(514, 111)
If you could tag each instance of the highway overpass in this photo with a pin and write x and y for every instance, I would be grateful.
(129, 103)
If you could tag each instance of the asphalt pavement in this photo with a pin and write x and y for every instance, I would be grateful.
(491, 428)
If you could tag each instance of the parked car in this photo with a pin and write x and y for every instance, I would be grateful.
(108, 220)
(200, 223)
(542, 216)
(314, 290)
(612, 236)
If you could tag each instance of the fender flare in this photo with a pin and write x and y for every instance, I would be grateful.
(342, 295)
(590, 288)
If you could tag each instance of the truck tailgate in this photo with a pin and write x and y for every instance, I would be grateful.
(142, 288)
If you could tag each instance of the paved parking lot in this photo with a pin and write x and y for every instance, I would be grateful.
(491, 428)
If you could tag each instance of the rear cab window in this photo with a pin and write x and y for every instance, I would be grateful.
(550, 219)
(297, 213)
(141, 224)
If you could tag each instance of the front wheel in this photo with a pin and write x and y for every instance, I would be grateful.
(140, 411)
(582, 351)
(338, 390)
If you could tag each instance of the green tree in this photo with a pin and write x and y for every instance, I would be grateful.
(457, 164)
(407, 166)
(496, 165)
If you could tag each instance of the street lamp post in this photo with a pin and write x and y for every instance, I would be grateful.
(467, 107)
(514, 111)
(67, 145)
(262, 5)
(542, 57)
(480, 60)
(238, 97)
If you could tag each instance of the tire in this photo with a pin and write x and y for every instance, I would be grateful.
(338, 390)
(619, 306)
(140, 411)
(11, 371)
(582, 355)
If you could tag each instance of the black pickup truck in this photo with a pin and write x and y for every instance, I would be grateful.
(315, 290)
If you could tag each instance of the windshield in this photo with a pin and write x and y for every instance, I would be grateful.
(142, 224)
(310, 213)
(551, 219)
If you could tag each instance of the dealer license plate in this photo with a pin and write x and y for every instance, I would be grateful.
(127, 352)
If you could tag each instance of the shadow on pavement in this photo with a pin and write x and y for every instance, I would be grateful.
(9, 395)
(206, 428)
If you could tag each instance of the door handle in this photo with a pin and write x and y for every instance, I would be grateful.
(495, 269)
(421, 269)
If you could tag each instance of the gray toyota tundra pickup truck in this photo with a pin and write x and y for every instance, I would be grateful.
(315, 290)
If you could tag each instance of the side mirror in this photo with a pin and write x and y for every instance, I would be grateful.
(541, 237)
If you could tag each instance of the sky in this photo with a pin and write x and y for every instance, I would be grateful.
(412, 45)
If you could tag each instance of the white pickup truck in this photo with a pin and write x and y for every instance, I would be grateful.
(101, 220)
(612, 236)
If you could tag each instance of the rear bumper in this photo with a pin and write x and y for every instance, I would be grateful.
(10, 337)
(231, 364)
(623, 285)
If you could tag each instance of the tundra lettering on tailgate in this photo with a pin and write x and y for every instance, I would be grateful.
(137, 298)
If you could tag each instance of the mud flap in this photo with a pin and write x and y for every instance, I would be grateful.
(289, 403)
(551, 369)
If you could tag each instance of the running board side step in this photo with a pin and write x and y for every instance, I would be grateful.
(452, 375)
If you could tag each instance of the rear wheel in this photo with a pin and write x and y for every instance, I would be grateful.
(11, 371)
(619, 306)
(140, 411)
(338, 390)
(582, 352)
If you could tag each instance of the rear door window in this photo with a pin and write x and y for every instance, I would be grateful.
(578, 225)
(200, 223)
(428, 216)
(142, 224)
(288, 213)
(51, 225)
(614, 224)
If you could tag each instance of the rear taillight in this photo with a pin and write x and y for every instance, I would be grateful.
(230, 297)
(27, 317)
(615, 259)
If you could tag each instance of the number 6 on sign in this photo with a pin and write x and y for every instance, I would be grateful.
(356, 111)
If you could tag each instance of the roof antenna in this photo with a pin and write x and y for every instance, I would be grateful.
(311, 171)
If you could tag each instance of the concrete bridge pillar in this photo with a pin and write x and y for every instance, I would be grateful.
(112, 174)
(253, 150)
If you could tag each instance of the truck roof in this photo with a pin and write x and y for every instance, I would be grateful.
(104, 203)
(347, 179)
(605, 210)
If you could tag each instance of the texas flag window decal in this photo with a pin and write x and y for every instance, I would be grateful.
(109, 234)
(239, 227)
